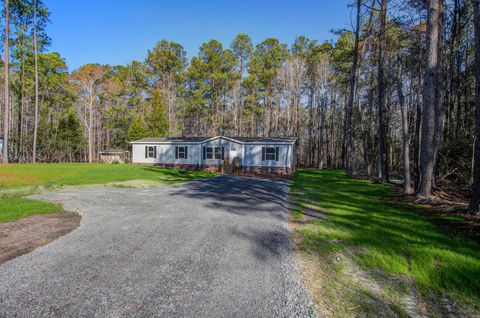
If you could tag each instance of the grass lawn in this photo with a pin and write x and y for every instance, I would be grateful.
(59, 174)
(17, 180)
(12, 209)
(383, 237)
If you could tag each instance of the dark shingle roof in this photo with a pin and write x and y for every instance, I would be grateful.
(262, 139)
(173, 139)
(201, 139)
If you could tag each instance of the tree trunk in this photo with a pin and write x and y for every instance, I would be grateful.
(6, 69)
(418, 133)
(90, 132)
(321, 128)
(407, 187)
(35, 127)
(350, 148)
(432, 99)
(475, 200)
(382, 148)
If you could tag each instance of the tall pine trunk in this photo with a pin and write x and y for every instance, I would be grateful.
(475, 200)
(382, 148)
(350, 147)
(35, 127)
(432, 99)
(6, 105)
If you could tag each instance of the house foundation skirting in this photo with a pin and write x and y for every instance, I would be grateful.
(218, 168)
(267, 170)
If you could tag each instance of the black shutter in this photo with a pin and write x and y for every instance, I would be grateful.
(263, 153)
(276, 153)
(186, 152)
(204, 153)
(223, 153)
(155, 152)
(146, 152)
(176, 152)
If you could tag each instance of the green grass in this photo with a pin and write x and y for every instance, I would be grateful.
(12, 209)
(384, 236)
(53, 174)
(17, 180)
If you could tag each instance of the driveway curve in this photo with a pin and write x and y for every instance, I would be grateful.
(210, 248)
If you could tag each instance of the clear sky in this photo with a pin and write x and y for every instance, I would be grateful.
(119, 31)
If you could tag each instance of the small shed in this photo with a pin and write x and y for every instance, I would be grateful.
(114, 156)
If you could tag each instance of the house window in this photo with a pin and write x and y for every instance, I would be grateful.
(218, 153)
(181, 152)
(150, 152)
(213, 153)
(270, 153)
(209, 153)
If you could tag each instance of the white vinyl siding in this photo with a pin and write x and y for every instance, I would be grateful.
(275, 156)
(166, 154)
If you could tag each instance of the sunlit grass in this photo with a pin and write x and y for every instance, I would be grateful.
(12, 209)
(18, 180)
(384, 236)
(58, 174)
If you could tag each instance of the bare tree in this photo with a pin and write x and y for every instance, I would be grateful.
(407, 187)
(323, 74)
(88, 82)
(292, 75)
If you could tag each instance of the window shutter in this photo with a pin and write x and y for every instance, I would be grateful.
(204, 153)
(263, 153)
(223, 153)
(155, 152)
(186, 152)
(276, 153)
(176, 152)
(146, 152)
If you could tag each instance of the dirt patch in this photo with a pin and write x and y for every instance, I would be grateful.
(25, 235)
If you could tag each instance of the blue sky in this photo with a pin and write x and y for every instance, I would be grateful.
(119, 31)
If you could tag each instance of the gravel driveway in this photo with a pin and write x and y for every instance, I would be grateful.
(210, 248)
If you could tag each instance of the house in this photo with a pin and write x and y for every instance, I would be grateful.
(253, 154)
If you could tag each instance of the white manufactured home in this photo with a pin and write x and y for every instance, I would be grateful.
(252, 155)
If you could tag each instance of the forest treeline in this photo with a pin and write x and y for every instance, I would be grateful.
(394, 97)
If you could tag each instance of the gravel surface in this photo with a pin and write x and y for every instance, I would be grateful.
(211, 248)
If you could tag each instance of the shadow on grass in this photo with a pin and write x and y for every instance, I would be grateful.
(386, 234)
